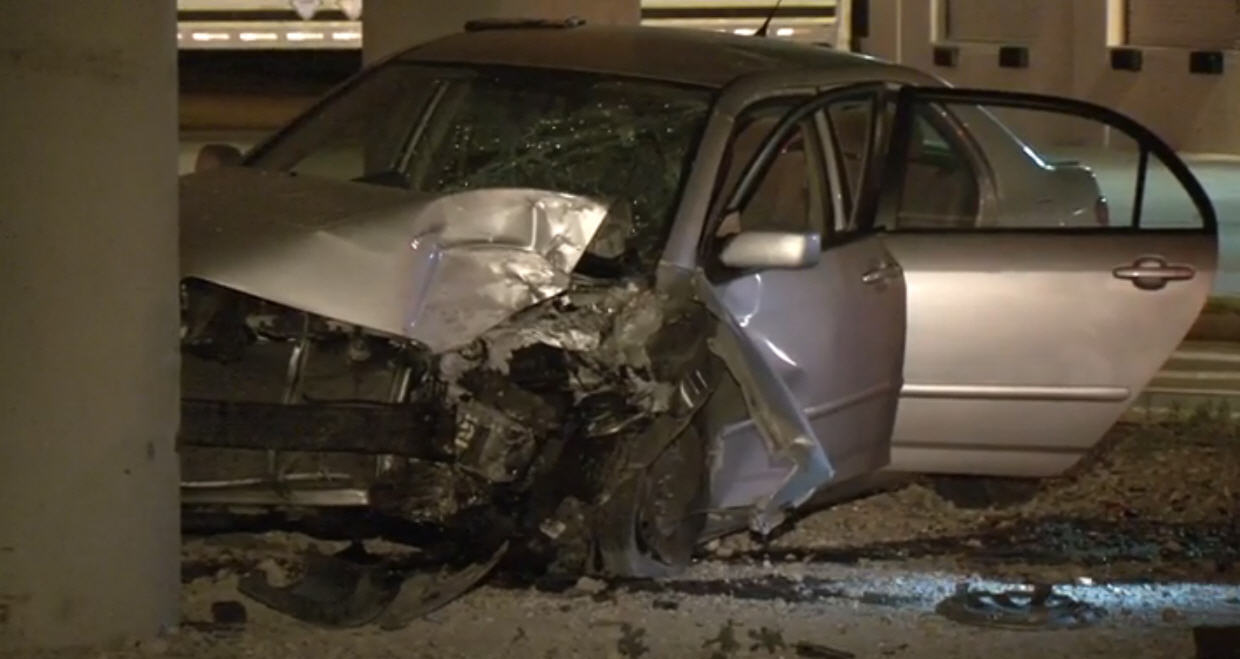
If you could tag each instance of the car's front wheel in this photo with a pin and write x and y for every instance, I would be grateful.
(651, 522)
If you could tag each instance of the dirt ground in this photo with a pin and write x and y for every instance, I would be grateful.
(1146, 531)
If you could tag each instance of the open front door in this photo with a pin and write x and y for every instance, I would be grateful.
(826, 329)
(1055, 252)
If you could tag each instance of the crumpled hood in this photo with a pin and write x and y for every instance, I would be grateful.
(437, 269)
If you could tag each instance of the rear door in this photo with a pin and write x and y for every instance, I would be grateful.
(833, 332)
(1055, 254)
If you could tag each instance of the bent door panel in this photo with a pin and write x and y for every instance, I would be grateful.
(836, 343)
(833, 331)
(1027, 340)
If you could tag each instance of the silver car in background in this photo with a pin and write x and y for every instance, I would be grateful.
(619, 289)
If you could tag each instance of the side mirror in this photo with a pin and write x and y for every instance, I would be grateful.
(212, 156)
(772, 249)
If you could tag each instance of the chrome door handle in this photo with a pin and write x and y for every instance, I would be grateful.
(1151, 273)
(881, 273)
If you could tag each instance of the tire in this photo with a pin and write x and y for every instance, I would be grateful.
(650, 525)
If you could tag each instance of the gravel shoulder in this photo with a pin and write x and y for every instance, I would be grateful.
(1147, 529)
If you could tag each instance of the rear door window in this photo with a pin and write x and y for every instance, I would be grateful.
(940, 184)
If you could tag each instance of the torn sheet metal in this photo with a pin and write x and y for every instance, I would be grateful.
(481, 256)
(783, 426)
(577, 321)
(334, 592)
(492, 444)
(635, 324)
(338, 592)
(422, 593)
(440, 270)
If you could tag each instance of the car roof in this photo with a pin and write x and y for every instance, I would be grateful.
(698, 57)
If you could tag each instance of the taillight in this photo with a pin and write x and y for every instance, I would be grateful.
(1102, 212)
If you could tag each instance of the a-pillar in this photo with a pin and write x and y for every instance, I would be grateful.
(392, 25)
(88, 322)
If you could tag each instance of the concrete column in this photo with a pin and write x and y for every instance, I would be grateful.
(885, 23)
(392, 25)
(88, 322)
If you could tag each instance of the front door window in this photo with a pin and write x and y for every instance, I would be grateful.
(790, 196)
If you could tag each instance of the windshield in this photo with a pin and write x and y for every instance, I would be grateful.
(442, 129)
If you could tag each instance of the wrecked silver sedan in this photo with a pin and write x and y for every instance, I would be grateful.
(611, 291)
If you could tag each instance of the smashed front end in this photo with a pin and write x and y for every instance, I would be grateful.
(439, 361)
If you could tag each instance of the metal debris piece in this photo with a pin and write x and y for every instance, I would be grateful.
(820, 651)
(337, 592)
(1036, 609)
(334, 592)
(552, 528)
(424, 593)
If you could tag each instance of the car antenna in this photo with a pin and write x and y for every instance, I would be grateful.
(766, 25)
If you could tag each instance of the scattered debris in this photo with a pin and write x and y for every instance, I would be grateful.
(1086, 541)
(1036, 609)
(725, 640)
(820, 651)
(767, 638)
(630, 643)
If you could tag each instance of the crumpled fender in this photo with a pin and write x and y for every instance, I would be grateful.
(774, 409)
(437, 269)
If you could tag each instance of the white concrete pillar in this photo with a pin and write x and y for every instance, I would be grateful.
(392, 25)
(88, 322)
(885, 33)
